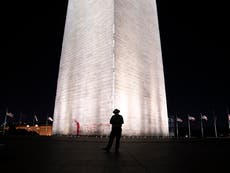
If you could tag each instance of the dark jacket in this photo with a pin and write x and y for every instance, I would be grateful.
(116, 121)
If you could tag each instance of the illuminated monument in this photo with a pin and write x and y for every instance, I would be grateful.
(111, 58)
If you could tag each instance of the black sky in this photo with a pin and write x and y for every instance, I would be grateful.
(194, 38)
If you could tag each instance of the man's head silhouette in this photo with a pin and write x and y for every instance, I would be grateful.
(116, 111)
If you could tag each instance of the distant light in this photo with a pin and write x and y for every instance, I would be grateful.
(36, 125)
(186, 136)
(27, 126)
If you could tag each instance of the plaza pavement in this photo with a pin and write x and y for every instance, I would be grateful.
(66, 154)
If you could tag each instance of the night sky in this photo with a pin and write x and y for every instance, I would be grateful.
(194, 48)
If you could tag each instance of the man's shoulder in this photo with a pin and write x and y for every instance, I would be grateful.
(116, 117)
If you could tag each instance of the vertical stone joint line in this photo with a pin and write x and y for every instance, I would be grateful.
(114, 66)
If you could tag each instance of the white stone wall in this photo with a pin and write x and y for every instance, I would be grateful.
(84, 91)
(140, 88)
(111, 58)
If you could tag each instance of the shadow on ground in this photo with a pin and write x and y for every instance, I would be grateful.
(84, 154)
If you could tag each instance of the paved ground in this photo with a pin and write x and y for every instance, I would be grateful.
(83, 154)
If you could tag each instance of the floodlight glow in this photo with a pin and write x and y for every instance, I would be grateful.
(111, 58)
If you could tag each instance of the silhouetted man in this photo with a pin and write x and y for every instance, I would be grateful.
(116, 121)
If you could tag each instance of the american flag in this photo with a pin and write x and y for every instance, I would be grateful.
(179, 120)
(36, 118)
(10, 114)
(50, 118)
(191, 118)
(203, 117)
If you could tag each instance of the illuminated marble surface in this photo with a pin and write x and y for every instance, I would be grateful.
(111, 58)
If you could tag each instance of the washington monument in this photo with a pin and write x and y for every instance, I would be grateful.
(111, 58)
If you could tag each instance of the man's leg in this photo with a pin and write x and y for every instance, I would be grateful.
(118, 136)
(110, 143)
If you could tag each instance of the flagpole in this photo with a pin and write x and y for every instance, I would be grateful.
(177, 132)
(33, 120)
(189, 130)
(228, 118)
(20, 119)
(46, 123)
(215, 125)
(201, 126)
(5, 119)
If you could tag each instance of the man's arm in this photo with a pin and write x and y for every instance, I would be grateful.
(122, 120)
(111, 120)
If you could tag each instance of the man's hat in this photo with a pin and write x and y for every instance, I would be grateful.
(116, 111)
